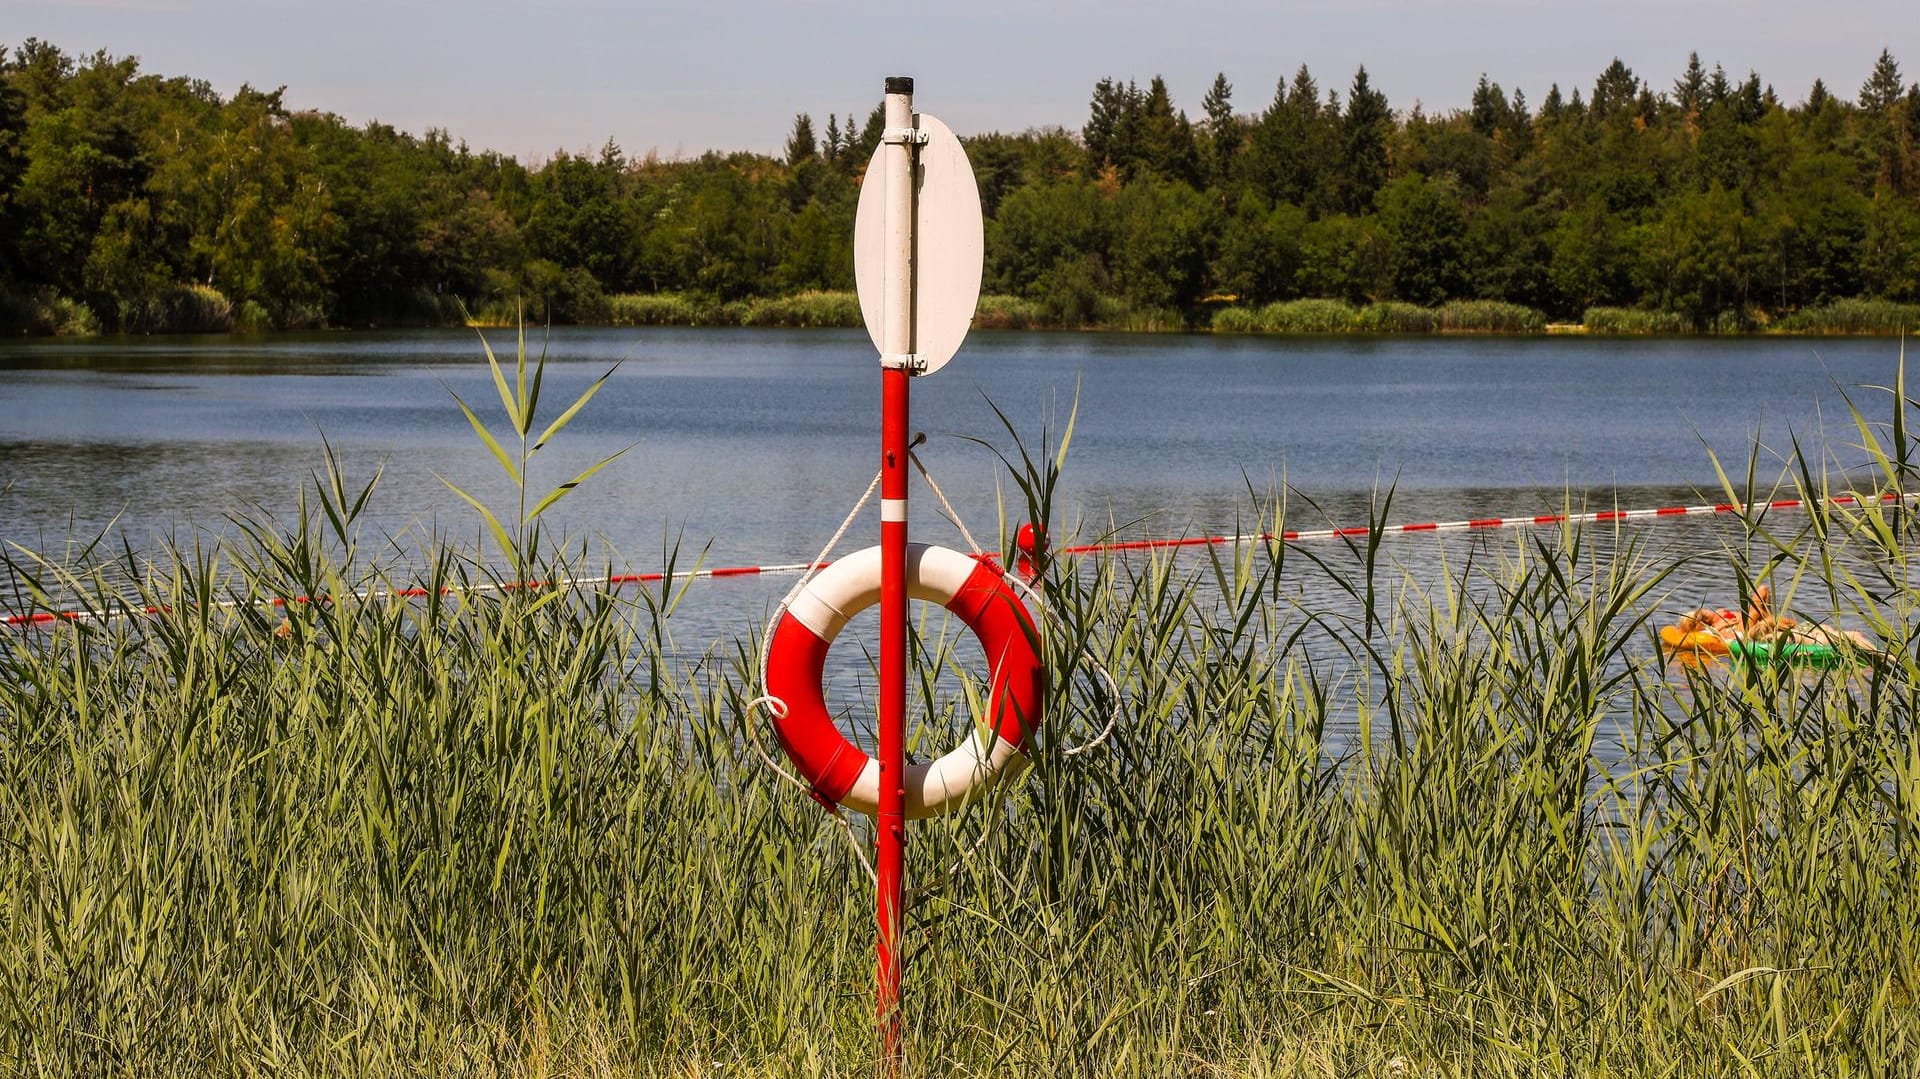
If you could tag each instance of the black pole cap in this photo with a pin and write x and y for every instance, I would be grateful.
(899, 84)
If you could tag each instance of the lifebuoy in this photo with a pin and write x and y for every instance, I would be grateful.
(975, 591)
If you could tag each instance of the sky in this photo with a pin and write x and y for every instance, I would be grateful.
(679, 77)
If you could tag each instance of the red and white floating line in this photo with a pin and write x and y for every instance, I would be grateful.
(1475, 524)
(617, 580)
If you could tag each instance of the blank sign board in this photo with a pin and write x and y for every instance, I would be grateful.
(949, 244)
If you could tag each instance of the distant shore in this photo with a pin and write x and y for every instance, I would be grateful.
(1223, 315)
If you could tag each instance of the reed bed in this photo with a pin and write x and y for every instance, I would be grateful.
(516, 832)
(800, 310)
(805, 309)
(669, 309)
(1880, 317)
(1287, 316)
(1488, 316)
(1393, 317)
(1634, 321)
(999, 311)
(1333, 316)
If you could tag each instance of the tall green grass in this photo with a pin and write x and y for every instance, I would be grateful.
(1394, 318)
(806, 309)
(1633, 320)
(515, 831)
(1488, 316)
(46, 312)
(663, 309)
(1883, 317)
(998, 311)
(1289, 316)
(1333, 316)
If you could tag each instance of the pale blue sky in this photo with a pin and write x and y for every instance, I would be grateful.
(679, 77)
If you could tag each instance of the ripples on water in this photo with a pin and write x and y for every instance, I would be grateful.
(749, 445)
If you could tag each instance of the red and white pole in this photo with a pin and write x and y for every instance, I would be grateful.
(897, 364)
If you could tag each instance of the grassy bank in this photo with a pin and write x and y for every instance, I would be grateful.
(513, 832)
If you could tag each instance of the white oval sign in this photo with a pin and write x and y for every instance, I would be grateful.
(949, 246)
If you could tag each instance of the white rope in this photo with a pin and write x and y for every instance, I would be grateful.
(777, 708)
(1100, 669)
(839, 817)
(813, 569)
(1039, 601)
(952, 514)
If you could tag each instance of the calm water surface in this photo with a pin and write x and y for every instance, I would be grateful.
(754, 443)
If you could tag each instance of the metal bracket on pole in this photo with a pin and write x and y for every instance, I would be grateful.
(912, 363)
(911, 136)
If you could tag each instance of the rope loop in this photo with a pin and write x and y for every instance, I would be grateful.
(1040, 601)
(777, 708)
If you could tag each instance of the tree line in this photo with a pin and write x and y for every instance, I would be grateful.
(135, 202)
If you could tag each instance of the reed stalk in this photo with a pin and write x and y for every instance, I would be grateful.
(1469, 825)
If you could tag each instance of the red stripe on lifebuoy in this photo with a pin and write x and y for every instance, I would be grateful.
(983, 599)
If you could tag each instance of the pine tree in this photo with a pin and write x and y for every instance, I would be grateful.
(1222, 128)
(1615, 91)
(1165, 138)
(1104, 115)
(1554, 106)
(1218, 105)
(1690, 90)
(1304, 98)
(801, 145)
(860, 150)
(1124, 151)
(1269, 144)
(1366, 127)
(1719, 88)
(1751, 105)
(831, 148)
(1489, 112)
(1818, 98)
(1883, 87)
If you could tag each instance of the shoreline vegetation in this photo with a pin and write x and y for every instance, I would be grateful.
(506, 831)
(1864, 318)
(202, 310)
(133, 202)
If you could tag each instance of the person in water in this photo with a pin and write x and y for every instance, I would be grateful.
(1759, 623)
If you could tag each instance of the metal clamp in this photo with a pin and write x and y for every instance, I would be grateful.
(912, 362)
(894, 136)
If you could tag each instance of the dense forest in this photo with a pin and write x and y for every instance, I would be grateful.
(135, 202)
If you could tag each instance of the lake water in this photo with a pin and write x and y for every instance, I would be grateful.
(754, 443)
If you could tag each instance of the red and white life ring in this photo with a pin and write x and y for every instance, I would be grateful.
(975, 591)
